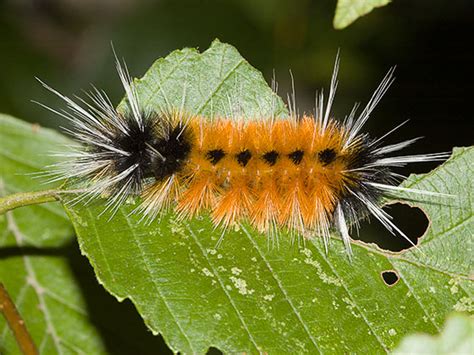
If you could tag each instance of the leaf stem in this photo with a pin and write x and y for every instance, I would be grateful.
(21, 199)
(16, 323)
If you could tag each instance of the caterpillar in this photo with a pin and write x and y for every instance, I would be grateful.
(309, 174)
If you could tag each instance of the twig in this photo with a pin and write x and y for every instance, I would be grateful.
(21, 199)
(16, 323)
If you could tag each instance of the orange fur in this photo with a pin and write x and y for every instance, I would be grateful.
(298, 196)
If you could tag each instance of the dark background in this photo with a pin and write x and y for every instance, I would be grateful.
(67, 44)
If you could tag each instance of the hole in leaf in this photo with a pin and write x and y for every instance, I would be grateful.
(412, 221)
(390, 277)
(213, 351)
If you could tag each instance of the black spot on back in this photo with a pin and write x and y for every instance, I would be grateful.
(243, 157)
(215, 155)
(296, 156)
(327, 156)
(271, 157)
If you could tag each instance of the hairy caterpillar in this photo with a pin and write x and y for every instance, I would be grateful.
(308, 174)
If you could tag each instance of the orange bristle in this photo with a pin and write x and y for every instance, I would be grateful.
(267, 172)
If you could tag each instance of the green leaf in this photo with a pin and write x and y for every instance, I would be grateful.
(449, 242)
(218, 81)
(247, 297)
(347, 11)
(25, 150)
(455, 338)
(40, 265)
(41, 283)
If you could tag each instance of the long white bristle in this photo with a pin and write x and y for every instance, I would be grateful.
(374, 100)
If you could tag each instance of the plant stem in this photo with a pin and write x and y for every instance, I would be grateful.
(21, 199)
(16, 323)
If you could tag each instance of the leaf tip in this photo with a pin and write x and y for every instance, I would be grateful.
(348, 11)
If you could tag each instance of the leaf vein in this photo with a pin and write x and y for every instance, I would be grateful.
(217, 88)
(33, 281)
(354, 300)
(59, 299)
(282, 289)
(164, 79)
(410, 288)
(196, 241)
(153, 281)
